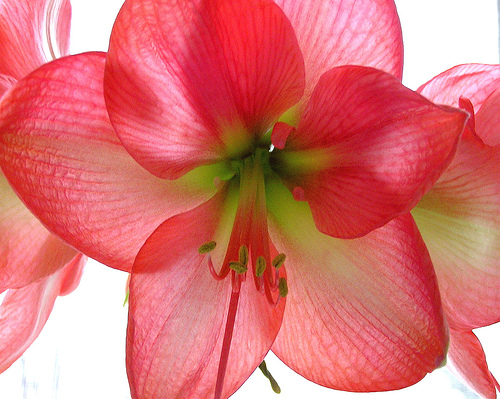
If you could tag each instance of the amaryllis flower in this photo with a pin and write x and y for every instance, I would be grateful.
(35, 266)
(460, 218)
(255, 154)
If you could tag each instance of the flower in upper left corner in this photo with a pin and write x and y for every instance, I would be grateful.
(35, 265)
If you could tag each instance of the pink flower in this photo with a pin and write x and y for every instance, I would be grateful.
(35, 266)
(250, 144)
(460, 218)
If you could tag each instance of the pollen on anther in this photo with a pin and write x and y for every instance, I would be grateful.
(207, 247)
(243, 255)
(279, 260)
(238, 267)
(282, 287)
(260, 266)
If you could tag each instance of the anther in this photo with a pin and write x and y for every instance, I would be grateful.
(283, 287)
(243, 255)
(279, 260)
(274, 385)
(260, 266)
(238, 267)
(208, 247)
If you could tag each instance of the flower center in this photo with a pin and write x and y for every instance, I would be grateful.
(248, 254)
(249, 248)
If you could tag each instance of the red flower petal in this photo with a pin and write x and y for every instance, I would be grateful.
(346, 32)
(178, 313)
(488, 119)
(473, 81)
(196, 81)
(460, 222)
(29, 251)
(59, 151)
(24, 311)
(467, 359)
(367, 149)
(477, 82)
(31, 33)
(6, 83)
(363, 314)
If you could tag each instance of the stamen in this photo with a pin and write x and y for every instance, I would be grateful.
(214, 274)
(283, 287)
(279, 260)
(243, 255)
(274, 385)
(260, 266)
(208, 247)
(238, 267)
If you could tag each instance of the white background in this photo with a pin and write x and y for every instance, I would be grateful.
(80, 353)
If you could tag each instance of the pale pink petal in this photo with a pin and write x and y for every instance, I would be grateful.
(6, 83)
(488, 118)
(29, 251)
(473, 81)
(362, 314)
(59, 151)
(178, 312)
(32, 32)
(197, 81)
(346, 32)
(467, 359)
(366, 150)
(24, 311)
(460, 222)
(479, 83)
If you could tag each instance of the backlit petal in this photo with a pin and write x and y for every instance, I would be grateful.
(5, 83)
(32, 32)
(473, 81)
(59, 151)
(178, 312)
(366, 150)
(24, 311)
(29, 251)
(196, 81)
(488, 119)
(346, 32)
(467, 359)
(362, 314)
(460, 222)
(480, 84)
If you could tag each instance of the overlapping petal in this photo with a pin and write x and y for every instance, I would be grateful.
(473, 81)
(488, 119)
(367, 143)
(5, 83)
(480, 84)
(178, 312)
(32, 33)
(196, 81)
(346, 32)
(363, 314)
(468, 360)
(459, 220)
(29, 251)
(459, 217)
(24, 311)
(59, 151)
